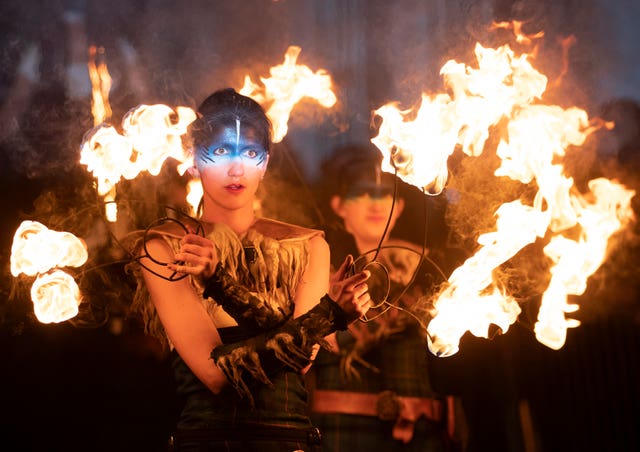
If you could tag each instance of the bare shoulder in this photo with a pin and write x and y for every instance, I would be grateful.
(280, 230)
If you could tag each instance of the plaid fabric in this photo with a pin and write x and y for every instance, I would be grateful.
(284, 403)
(388, 353)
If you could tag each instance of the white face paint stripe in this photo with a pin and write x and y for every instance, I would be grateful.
(237, 132)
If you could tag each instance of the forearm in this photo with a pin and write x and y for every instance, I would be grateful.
(288, 346)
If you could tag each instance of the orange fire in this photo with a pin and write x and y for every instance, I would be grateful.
(100, 87)
(151, 134)
(506, 87)
(55, 296)
(288, 84)
(41, 252)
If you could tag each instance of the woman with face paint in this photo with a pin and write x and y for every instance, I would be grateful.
(242, 302)
(372, 391)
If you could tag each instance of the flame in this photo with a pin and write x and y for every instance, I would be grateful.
(419, 148)
(575, 260)
(516, 27)
(288, 84)
(100, 87)
(39, 251)
(416, 145)
(151, 134)
(194, 195)
(55, 296)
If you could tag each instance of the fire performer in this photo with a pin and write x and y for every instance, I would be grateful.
(373, 391)
(241, 301)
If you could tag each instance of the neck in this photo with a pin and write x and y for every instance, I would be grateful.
(239, 220)
(365, 245)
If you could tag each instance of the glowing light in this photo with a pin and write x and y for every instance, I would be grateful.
(39, 251)
(506, 89)
(289, 83)
(100, 87)
(194, 195)
(55, 297)
(151, 134)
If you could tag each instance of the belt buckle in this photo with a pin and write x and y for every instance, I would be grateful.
(388, 406)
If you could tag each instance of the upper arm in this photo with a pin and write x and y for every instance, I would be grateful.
(315, 279)
(183, 317)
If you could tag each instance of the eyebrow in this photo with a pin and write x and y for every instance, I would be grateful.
(229, 145)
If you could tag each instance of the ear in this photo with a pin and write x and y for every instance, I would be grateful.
(336, 205)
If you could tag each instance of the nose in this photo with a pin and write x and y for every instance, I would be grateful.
(376, 203)
(236, 167)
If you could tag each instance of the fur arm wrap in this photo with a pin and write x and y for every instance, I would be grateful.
(289, 345)
(246, 307)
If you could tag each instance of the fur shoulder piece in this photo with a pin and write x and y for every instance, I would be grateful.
(279, 230)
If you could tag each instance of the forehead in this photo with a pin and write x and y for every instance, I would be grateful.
(239, 136)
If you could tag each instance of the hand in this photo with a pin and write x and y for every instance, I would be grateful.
(197, 256)
(351, 293)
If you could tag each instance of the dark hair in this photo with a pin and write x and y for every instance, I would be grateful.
(222, 109)
(352, 165)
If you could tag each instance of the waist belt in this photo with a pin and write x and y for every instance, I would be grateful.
(249, 433)
(387, 406)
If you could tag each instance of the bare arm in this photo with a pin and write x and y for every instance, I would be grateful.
(315, 279)
(184, 318)
(315, 283)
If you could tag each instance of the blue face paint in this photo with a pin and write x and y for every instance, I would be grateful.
(233, 144)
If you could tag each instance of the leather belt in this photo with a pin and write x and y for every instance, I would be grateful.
(387, 406)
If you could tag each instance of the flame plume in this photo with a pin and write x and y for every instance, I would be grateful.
(151, 134)
(39, 251)
(288, 84)
(505, 88)
(100, 87)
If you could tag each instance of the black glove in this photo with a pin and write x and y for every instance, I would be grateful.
(244, 306)
(288, 346)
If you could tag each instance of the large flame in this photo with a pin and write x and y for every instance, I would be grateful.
(416, 146)
(41, 252)
(151, 134)
(289, 83)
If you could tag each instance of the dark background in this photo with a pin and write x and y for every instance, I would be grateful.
(67, 386)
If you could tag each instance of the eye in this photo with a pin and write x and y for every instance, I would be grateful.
(253, 153)
(219, 151)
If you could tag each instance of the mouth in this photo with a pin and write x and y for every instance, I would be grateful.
(234, 188)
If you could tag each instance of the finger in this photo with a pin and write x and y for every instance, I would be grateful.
(365, 304)
(364, 300)
(342, 271)
(196, 240)
(358, 278)
(179, 267)
(360, 290)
